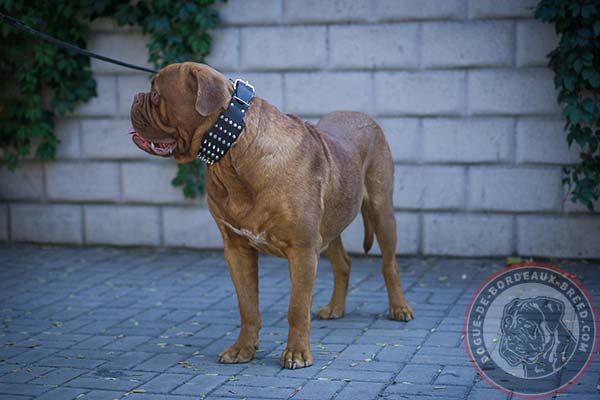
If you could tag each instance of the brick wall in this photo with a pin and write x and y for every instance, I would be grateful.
(460, 88)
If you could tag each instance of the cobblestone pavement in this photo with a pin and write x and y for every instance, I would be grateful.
(95, 323)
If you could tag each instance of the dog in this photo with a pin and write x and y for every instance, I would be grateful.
(535, 336)
(286, 187)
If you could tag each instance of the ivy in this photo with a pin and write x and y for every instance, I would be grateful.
(41, 81)
(576, 66)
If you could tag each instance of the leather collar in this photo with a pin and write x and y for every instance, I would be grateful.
(228, 126)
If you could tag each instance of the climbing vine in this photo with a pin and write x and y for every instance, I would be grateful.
(576, 66)
(41, 81)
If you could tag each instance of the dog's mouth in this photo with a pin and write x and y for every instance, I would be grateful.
(157, 147)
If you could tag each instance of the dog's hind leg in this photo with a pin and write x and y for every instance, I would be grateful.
(340, 264)
(378, 207)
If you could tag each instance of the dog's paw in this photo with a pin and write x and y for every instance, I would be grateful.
(330, 312)
(293, 359)
(236, 354)
(401, 313)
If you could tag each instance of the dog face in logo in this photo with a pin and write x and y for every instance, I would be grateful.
(535, 336)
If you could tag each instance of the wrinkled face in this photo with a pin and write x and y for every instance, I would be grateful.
(531, 328)
(524, 336)
(184, 100)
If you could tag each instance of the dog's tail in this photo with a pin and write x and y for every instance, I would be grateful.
(369, 231)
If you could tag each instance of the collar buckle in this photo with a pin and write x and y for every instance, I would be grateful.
(235, 88)
(246, 83)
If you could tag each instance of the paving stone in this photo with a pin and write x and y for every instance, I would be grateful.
(160, 362)
(405, 391)
(32, 356)
(22, 389)
(94, 342)
(487, 394)
(359, 352)
(24, 374)
(103, 395)
(12, 397)
(63, 394)
(127, 343)
(147, 396)
(165, 383)
(201, 384)
(361, 390)
(415, 373)
(58, 376)
(355, 374)
(111, 380)
(452, 375)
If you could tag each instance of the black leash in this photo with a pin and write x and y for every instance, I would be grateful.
(19, 25)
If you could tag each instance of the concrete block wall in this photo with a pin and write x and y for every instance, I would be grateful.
(460, 88)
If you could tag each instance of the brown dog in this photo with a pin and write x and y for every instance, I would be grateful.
(286, 188)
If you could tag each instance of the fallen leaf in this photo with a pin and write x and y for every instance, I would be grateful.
(513, 260)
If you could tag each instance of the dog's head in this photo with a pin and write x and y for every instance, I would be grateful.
(533, 332)
(182, 103)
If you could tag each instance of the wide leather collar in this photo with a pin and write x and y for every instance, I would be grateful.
(228, 126)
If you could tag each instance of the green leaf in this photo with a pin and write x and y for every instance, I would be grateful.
(569, 82)
(513, 260)
(588, 10)
(592, 75)
(589, 105)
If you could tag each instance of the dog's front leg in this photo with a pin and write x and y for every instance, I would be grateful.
(242, 261)
(303, 268)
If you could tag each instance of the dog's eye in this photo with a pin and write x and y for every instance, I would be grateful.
(155, 97)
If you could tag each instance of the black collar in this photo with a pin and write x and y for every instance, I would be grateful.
(229, 125)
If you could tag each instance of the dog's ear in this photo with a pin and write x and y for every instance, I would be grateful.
(552, 310)
(212, 92)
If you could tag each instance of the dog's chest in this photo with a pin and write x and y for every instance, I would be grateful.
(260, 240)
(254, 238)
